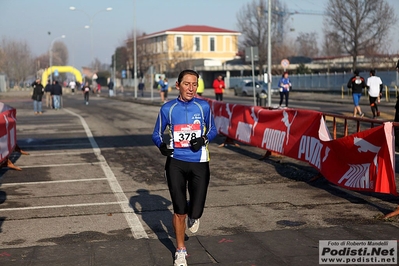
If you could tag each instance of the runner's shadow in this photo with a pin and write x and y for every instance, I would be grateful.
(2, 219)
(155, 213)
(3, 197)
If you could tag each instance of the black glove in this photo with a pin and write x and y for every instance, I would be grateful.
(197, 143)
(165, 151)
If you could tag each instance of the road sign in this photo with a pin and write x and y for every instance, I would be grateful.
(255, 54)
(56, 72)
(285, 63)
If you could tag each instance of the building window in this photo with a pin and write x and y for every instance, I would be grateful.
(212, 44)
(164, 47)
(178, 43)
(227, 44)
(159, 47)
(197, 44)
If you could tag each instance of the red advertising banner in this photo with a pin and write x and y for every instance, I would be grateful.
(8, 131)
(363, 161)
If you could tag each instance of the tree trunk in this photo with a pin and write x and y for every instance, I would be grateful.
(354, 65)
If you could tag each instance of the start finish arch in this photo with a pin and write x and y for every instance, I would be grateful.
(61, 69)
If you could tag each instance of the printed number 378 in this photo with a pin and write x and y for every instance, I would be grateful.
(186, 136)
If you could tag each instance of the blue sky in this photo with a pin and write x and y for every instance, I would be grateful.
(31, 20)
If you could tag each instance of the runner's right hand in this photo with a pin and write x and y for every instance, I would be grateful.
(165, 151)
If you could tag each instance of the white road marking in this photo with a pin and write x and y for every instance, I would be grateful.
(57, 165)
(52, 182)
(54, 145)
(63, 206)
(134, 223)
(34, 153)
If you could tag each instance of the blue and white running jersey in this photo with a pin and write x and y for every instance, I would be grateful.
(186, 121)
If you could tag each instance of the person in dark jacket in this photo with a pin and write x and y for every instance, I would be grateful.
(86, 92)
(111, 88)
(37, 95)
(47, 90)
(357, 84)
(56, 93)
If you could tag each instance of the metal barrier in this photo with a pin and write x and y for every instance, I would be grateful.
(388, 91)
(337, 119)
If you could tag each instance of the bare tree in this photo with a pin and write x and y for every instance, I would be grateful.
(180, 60)
(120, 59)
(60, 54)
(307, 44)
(252, 22)
(2, 60)
(145, 57)
(359, 24)
(331, 44)
(96, 65)
(17, 63)
(43, 60)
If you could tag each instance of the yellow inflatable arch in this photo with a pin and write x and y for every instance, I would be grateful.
(61, 69)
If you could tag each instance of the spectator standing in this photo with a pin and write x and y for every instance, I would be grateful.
(86, 92)
(201, 86)
(56, 93)
(164, 90)
(110, 88)
(284, 85)
(141, 88)
(37, 95)
(160, 79)
(374, 85)
(187, 163)
(219, 86)
(48, 89)
(357, 84)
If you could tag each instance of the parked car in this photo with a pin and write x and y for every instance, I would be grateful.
(246, 88)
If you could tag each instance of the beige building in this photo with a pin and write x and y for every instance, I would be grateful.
(187, 46)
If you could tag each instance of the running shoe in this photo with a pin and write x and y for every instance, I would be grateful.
(193, 225)
(180, 258)
(362, 115)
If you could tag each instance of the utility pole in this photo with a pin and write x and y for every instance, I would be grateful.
(114, 70)
(269, 54)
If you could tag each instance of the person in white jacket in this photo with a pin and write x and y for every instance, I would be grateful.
(374, 86)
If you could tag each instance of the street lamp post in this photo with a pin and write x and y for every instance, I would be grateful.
(91, 24)
(51, 56)
(135, 51)
(269, 54)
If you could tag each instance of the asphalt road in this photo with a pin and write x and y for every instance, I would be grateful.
(94, 176)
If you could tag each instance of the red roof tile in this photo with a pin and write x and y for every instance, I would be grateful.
(200, 28)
